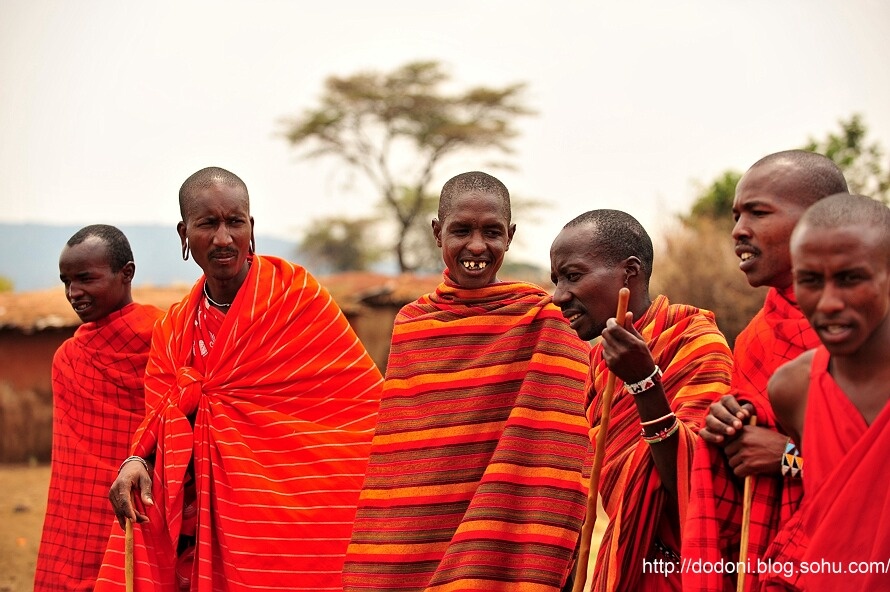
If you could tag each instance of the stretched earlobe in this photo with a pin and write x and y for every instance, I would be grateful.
(185, 250)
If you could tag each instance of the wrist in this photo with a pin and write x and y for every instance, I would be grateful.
(645, 384)
(792, 461)
(131, 459)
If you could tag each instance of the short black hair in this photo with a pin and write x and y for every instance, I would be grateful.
(618, 235)
(816, 176)
(844, 209)
(119, 251)
(473, 181)
(205, 178)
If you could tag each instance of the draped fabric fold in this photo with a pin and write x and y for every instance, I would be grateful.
(842, 530)
(692, 353)
(474, 481)
(277, 428)
(98, 402)
(777, 334)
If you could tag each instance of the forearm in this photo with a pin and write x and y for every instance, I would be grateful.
(660, 430)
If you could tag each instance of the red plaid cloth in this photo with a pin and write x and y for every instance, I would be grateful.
(98, 402)
(777, 334)
(845, 516)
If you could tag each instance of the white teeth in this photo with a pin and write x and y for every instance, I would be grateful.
(474, 265)
(834, 329)
(746, 256)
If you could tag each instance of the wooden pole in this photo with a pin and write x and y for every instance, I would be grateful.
(746, 523)
(128, 557)
(599, 453)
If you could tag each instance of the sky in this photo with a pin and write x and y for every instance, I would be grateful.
(106, 106)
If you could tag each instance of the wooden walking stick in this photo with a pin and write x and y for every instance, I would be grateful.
(746, 523)
(128, 554)
(599, 453)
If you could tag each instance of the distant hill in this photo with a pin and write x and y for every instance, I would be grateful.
(30, 254)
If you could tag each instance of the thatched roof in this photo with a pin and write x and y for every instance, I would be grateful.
(30, 312)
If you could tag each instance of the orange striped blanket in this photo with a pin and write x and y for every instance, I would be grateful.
(692, 352)
(474, 479)
(283, 416)
(98, 402)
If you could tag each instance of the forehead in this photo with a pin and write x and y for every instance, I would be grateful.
(573, 246)
(474, 205)
(839, 247)
(216, 198)
(777, 184)
(92, 252)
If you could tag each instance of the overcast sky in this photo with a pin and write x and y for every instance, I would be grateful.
(107, 106)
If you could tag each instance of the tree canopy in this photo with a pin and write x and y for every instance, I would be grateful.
(861, 159)
(397, 127)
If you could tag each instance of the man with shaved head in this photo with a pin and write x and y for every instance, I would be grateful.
(260, 404)
(833, 400)
(770, 198)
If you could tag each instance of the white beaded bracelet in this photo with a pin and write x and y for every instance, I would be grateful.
(129, 458)
(644, 385)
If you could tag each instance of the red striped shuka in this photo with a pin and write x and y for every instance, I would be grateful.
(695, 359)
(474, 481)
(273, 428)
(98, 402)
(777, 334)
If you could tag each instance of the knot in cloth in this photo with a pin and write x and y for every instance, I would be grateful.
(189, 382)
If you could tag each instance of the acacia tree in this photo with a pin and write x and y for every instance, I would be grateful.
(338, 244)
(397, 127)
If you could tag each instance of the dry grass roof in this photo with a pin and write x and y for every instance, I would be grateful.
(47, 309)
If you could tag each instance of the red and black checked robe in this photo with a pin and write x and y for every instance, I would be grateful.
(777, 334)
(98, 402)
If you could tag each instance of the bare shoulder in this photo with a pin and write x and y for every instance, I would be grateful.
(787, 391)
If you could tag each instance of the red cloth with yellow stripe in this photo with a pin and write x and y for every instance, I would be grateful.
(777, 334)
(695, 359)
(842, 530)
(98, 402)
(474, 481)
(283, 417)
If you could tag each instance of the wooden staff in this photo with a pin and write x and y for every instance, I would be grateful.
(599, 453)
(746, 523)
(128, 557)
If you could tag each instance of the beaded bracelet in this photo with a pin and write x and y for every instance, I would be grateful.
(791, 460)
(129, 458)
(644, 385)
(662, 434)
(654, 421)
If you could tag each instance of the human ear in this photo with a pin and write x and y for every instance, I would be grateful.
(128, 271)
(437, 232)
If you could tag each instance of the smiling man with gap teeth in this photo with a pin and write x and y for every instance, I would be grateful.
(484, 390)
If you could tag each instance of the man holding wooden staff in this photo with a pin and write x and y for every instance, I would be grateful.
(670, 361)
(769, 200)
